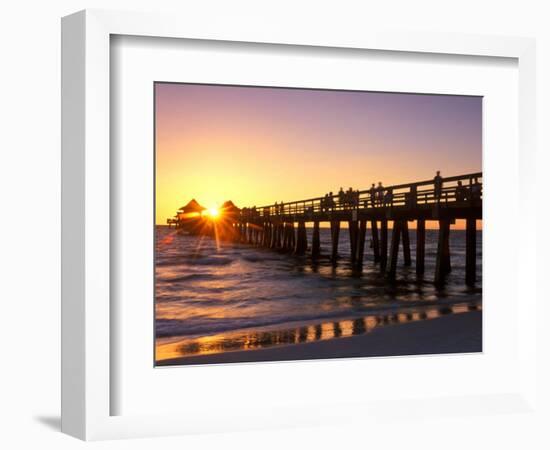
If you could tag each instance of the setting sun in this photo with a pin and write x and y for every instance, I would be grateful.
(213, 212)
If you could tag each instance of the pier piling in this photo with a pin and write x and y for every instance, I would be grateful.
(361, 242)
(375, 241)
(420, 246)
(279, 236)
(383, 244)
(443, 258)
(265, 236)
(352, 226)
(301, 239)
(292, 237)
(335, 236)
(286, 238)
(406, 243)
(315, 241)
(394, 250)
(273, 236)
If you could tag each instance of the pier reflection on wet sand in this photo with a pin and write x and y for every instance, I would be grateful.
(257, 339)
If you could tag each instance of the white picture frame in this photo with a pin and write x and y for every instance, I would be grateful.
(86, 245)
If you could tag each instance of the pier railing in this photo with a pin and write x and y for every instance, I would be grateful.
(463, 189)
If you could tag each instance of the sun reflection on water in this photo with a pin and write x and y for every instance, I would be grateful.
(168, 348)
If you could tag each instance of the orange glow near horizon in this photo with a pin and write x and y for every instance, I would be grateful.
(258, 146)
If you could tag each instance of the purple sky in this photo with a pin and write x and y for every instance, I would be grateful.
(259, 145)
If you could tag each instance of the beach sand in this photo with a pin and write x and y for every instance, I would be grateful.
(455, 333)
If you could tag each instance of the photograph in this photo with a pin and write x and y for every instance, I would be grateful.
(298, 223)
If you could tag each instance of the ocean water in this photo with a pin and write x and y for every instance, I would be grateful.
(215, 297)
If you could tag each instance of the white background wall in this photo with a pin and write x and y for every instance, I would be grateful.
(30, 198)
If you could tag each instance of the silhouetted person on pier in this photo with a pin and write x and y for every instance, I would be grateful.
(351, 197)
(476, 190)
(341, 196)
(331, 200)
(372, 193)
(438, 186)
(379, 193)
(325, 203)
(388, 197)
(460, 192)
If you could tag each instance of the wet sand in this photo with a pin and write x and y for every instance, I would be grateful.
(455, 333)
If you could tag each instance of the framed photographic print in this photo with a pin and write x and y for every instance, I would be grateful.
(251, 278)
(266, 221)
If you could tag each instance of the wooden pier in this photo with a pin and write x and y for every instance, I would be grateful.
(282, 226)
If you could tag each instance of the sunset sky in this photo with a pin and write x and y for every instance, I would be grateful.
(255, 146)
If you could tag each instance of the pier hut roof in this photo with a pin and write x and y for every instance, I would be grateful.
(229, 206)
(192, 206)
